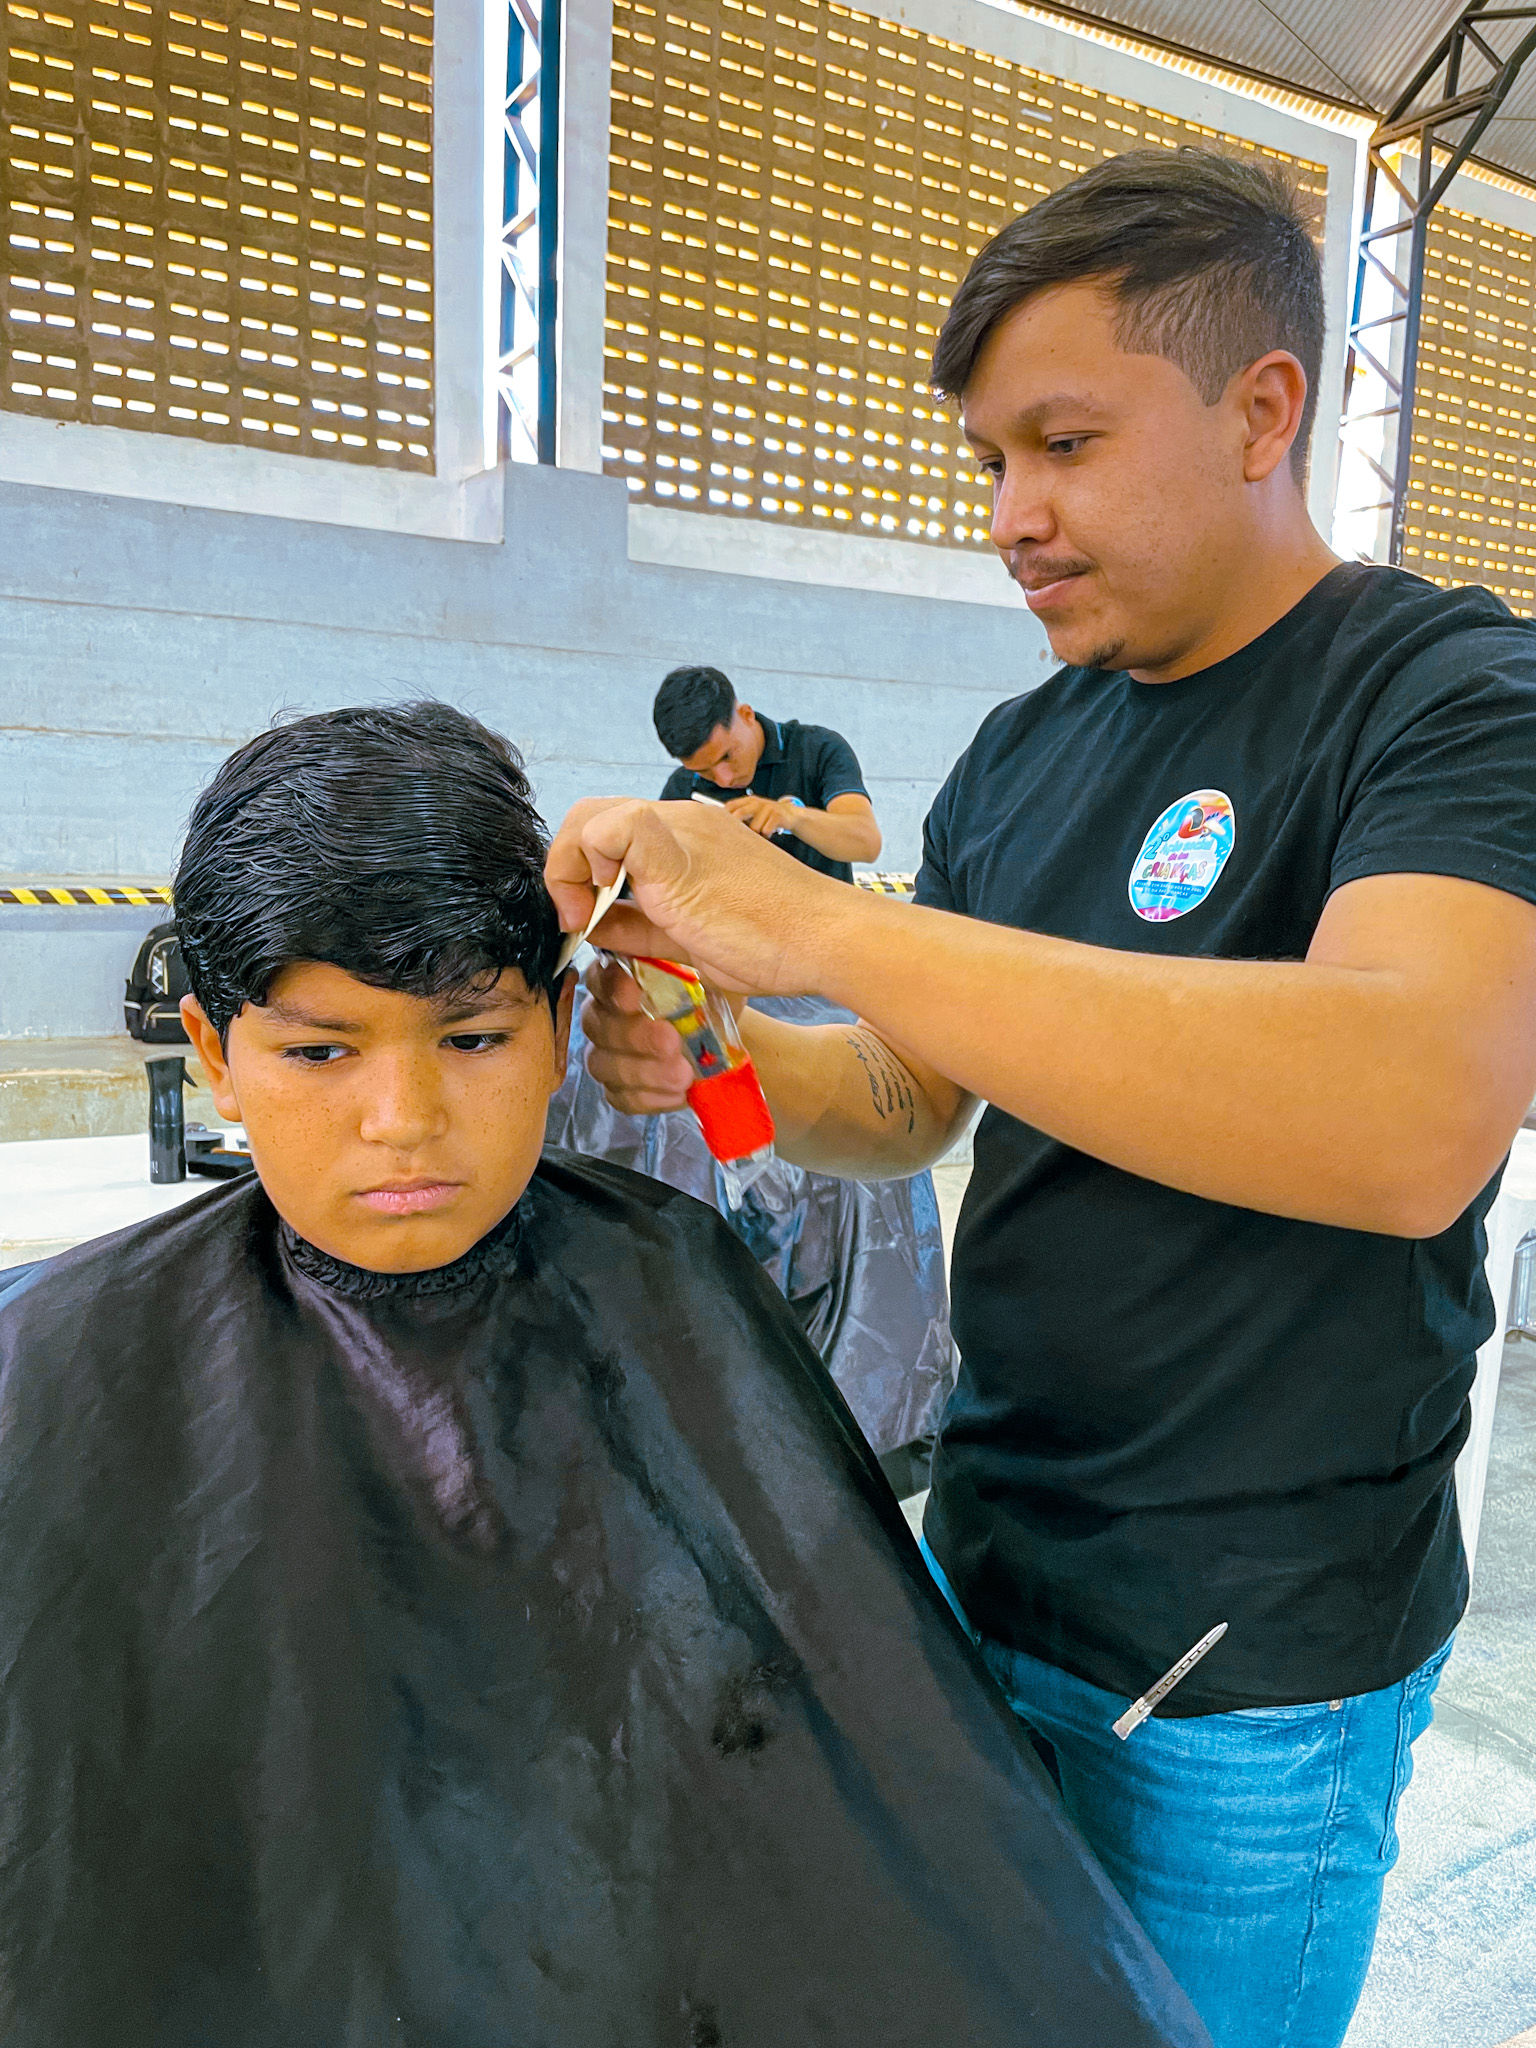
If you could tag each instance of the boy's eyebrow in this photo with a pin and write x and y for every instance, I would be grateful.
(290, 1013)
(446, 1013)
(483, 1006)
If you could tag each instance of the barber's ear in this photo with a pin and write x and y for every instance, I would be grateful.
(210, 1055)
(1273, 395)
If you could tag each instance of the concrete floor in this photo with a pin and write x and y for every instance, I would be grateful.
(1455, 1962)
(949, 1184)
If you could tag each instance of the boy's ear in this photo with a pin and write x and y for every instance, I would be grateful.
(564, 1002)
(209, 1048)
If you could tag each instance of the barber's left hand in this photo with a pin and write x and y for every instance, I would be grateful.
(765, 815)
(704, 891)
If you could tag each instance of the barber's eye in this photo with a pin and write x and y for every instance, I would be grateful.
(476, 1041)
(1066, 444)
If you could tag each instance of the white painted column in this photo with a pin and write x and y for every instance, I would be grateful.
(586, 67)
(459, 235)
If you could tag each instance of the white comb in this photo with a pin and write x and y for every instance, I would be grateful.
(606, 899)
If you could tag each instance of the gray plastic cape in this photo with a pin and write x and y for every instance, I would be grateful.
(860, 1262)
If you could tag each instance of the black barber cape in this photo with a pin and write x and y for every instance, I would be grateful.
(525, 1654)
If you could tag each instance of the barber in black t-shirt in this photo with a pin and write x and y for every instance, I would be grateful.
(1231, 924)
(799, 785)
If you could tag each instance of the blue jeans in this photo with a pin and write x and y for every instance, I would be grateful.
(1252, 1847)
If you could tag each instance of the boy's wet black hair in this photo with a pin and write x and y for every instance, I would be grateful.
(399, 843)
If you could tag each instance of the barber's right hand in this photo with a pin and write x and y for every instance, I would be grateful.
(749, 919)
(638, 1063)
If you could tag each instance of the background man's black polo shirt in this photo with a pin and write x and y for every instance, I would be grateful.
(808, 761)
(1172, 1412)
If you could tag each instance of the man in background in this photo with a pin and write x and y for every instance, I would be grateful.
(799, 785)
(863, 1258)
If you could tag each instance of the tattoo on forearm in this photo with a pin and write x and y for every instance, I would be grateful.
(891, 1087)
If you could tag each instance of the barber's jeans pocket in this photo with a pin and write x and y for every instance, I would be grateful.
(1312, 1727)
(1283, 1717)
(1415, 1711)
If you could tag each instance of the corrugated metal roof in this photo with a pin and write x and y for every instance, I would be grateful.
(1362, 52)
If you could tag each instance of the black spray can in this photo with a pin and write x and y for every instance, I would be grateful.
(167, 1120)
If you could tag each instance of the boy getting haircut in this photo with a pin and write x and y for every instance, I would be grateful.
(380, 868)
(445, 1601)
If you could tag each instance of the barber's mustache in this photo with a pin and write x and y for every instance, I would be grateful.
(1034, 572)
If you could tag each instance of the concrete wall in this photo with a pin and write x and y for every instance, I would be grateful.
(161, 600)
(62, 970)
(140, 642)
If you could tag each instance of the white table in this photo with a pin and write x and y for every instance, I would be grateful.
(55, 1192)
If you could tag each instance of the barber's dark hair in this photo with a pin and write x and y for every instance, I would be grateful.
(1209, 260)
(398, 843)
(691, 702)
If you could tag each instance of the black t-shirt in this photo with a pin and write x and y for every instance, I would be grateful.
(808, 761)
(1172, 1412)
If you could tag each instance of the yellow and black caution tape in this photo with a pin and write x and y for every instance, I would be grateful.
(44, 895)
(150, 895)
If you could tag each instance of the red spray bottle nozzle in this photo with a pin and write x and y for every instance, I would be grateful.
(726, 1096)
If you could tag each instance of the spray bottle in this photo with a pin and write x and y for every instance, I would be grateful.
(167, 1077)
(726, 1096)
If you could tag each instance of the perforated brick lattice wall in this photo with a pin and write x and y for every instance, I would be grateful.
(1472, 489)
(794, 197)
(220, 224)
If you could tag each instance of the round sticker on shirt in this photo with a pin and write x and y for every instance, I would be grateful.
(1182, 856)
